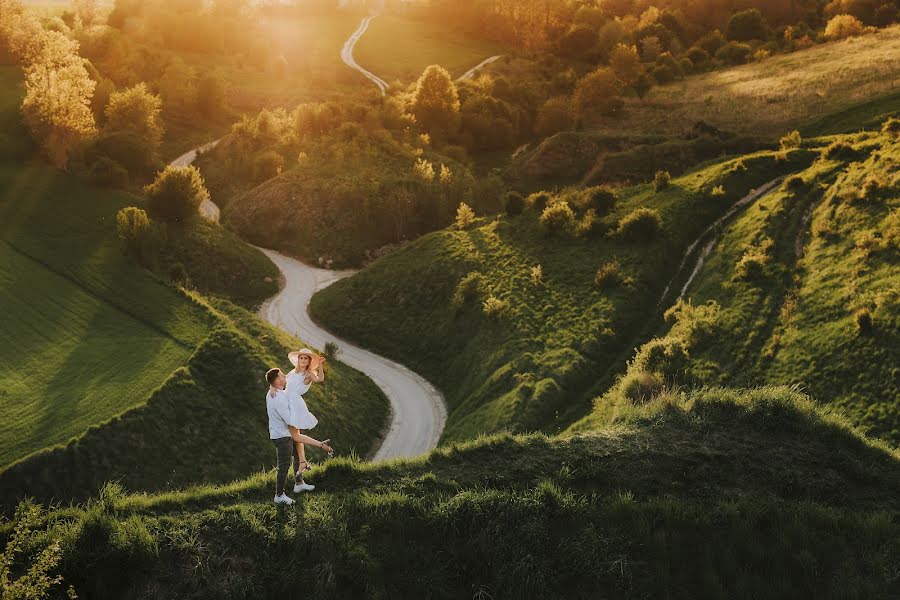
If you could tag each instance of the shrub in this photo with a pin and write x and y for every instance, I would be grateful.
(602, 198)
(752, 264)
(178, 274)
(589, 224)
(698, 56)
(267, 164)
(538, 201)
(331, 350)
(641, 387)
(457, 153)
(469, 287)
(734, 53)
(739, 167)
(795, 183)
(640, 225)
(176, 194)
(661, 180)
(494, 307)
(598, 92)
(843, 26)
(663, 74)
(872, 188)
(465, 216)
(790, 141)
(718, 191)
(537, 275)
(554, 116)
(747, 25)
(108, 173)
(514, 203)
(558, 218)
(132, 227)
(609, 275)
(891, 127)
(839, 150)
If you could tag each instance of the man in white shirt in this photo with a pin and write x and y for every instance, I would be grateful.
(278, 407)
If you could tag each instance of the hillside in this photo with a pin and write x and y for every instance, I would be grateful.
(563, 337)
(763, 487)
(800, 289)
(108, 372)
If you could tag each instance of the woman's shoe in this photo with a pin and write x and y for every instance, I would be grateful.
(328, 449)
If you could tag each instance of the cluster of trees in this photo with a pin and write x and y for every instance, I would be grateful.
(58, 88)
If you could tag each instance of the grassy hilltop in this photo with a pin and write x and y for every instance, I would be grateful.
(708, 494)
(109, 373)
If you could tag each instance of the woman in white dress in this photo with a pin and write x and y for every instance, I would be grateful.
(308, 368)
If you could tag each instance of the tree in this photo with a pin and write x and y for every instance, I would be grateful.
(625, 63)
(177, 85)
(57, 103)
(650, 48)
(554, 116)
(86, 11)
(843, 26)
(176, 194)
(598, 92)
(136, 111)
(133, 228)
(747, 25)
(465, 216)
(435, 102)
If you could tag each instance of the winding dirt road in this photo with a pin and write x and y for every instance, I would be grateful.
(347, 55)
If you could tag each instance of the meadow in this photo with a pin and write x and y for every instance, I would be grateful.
(762, 486)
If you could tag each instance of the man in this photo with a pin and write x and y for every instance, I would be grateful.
(278, 407)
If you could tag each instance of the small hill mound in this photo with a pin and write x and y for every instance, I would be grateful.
(714, 493)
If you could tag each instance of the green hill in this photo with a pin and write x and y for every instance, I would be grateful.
(800, 289)
(562, 339)
(109, 373)
(708, 494)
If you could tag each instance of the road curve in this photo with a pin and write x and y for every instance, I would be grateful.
(471, 72)
(418, 408)
(347, 55)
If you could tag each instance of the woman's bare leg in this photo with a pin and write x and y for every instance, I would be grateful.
(302, 438)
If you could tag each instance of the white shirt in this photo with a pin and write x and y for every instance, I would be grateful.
(279, 410)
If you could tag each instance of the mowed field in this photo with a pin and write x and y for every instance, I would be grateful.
(400, 48)
(84, 335)
(771, 97)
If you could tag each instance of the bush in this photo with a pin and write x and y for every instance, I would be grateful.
(514, 203)
(538, 201)
(132, 227)
(790, 141)
(494, 307)
(734, 53)
(747, 25)
(640, 225)
(589, 224)
(469, 287)
(663, 74)
(641, 387)
(558, 218)
(537, 275)
(863, 319)
(609, 275)
(554, 116)
(602, 198)
(176, 194)
(267, 165)
(108, 173)
(331, 350)
(843, 26)
(718, 191)
(178, 274)
(661, 180)
(752, 264)
(698, 57)
(891, 127)
(795, 183)
(739, 167)
(465, 216)
(839, 150)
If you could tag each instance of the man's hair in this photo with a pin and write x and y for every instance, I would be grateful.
(272, 375)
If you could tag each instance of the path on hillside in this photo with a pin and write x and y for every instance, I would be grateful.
(347, 55)
(471, 72)
(418, 409)
(754, 195)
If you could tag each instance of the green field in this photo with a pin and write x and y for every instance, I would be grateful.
(108, 372)
(400, 48)
(538, 365)
(760, 486)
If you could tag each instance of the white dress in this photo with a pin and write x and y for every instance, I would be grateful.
(300, 418)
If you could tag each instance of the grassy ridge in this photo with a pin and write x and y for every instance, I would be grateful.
(534, 367)
(761, 486)
(800, 289)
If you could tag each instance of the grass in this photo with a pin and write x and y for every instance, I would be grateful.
(399, 48)
(761, 486)
(793, 320)
(107, 372)
(769, 98)
(536, 366)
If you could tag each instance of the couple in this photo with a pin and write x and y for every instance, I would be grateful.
(288, 415)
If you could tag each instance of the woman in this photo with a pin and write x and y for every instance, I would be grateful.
(308, 368)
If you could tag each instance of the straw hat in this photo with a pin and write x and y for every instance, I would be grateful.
(314, 359)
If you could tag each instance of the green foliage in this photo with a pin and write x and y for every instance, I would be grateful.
(609, 275)
(267, 164)
(752, 264)
(435, 102)
(790, 141)
(597, 94)
(176, 194)
(538, 201)
(734, 53)
(514, 203)
(747, 25)
(494, 307)
(661, 180)
(558, 219)
(136, 111)
(133, 228)
(465, 216)
(640, 225)
(469, 288)
(38, 579)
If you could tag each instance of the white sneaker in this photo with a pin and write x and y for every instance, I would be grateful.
(303, 487)
(284, 499)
